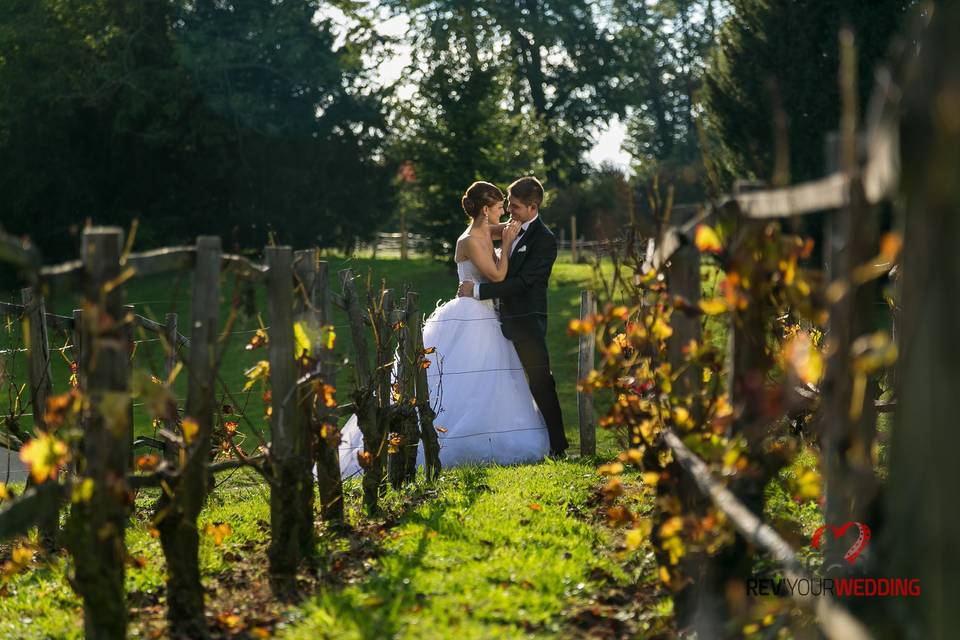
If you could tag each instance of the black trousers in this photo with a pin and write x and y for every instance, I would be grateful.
(536, 364)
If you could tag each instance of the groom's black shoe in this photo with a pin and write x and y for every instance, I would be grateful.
(558, 454)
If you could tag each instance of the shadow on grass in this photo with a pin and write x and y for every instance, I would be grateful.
(389, 590)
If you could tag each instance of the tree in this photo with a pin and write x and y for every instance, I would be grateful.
(458, 130)
(781, 55)
(197, 117)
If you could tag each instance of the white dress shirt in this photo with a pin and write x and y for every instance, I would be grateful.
(516, 242)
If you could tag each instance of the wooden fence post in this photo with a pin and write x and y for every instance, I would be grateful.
(588, 424)
(95, 529)
(425, 412)
(319, 420)
(177, 511)
(291, 536)
(921, 503)
(383, 319)
(403, 463)
(364, 395)
(171, 345)
(573, 240)
(128, 335)
(41, 388)
(848, 414)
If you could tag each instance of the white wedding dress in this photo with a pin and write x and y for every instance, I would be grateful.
(485, 412)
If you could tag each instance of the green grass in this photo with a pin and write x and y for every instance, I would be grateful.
(486, 552)
(435, 282)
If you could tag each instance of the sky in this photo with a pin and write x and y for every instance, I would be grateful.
(608, 140)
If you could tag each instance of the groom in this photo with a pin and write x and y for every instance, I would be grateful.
(523, 301)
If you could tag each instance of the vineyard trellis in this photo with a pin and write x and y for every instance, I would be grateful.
(869, 172)
(102, 481)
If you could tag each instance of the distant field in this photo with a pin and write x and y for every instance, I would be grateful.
(434, 281)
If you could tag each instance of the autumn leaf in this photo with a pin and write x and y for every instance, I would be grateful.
(611, 469)
(329, 396)
(329, 337)
(535, 506)
(365, 458)
(441, 429)
(147, 462)
(633, 539)
(218, 531)
(229, 620)
(44, 455)
(707, 239)
(303, 345)
(890, 245)
(256, 373)
(82, 492)
(190, 429)
(713, 306)
(429, 350)
(259, 339)
(61, 406)
(803, 358)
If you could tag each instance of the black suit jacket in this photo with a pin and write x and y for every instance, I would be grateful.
(523, 293)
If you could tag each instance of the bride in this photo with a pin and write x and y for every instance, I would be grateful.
(475, 376)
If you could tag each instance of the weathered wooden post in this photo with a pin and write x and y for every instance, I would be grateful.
(377, 446)
(425, 412)
(403, 462)
(573, 240)
(41, 388)
(588, 424)
(291, 536)
(364, 394)
(128, 335)
(177, 511)
(95, 529)
(320, 421)
(847, 414)
(921, 490)
(171, 346)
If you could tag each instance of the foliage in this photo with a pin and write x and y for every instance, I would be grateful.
(199, 117)
(775, 69)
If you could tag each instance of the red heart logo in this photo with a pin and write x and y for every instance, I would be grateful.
(854, 551)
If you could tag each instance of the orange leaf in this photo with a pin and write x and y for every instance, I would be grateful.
(534, 506)
(707, 239)
(44, 455)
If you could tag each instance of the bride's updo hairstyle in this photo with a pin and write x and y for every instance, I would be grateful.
(480, 195)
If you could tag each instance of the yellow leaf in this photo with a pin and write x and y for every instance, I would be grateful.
(650, 477)
(633, 539)
(301, 340)
(190, 428)
(82, 492)
(44, 455)
(661, 329)
(4, 492)
(610, 469)
(707, 239)
(259, 371)
(713, 306)
(329, 337)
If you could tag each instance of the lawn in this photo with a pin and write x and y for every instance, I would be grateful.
(485, 552)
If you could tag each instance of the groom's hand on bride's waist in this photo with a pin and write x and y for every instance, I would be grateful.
(466, 289)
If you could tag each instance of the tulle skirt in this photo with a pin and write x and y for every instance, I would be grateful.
(485, 412)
